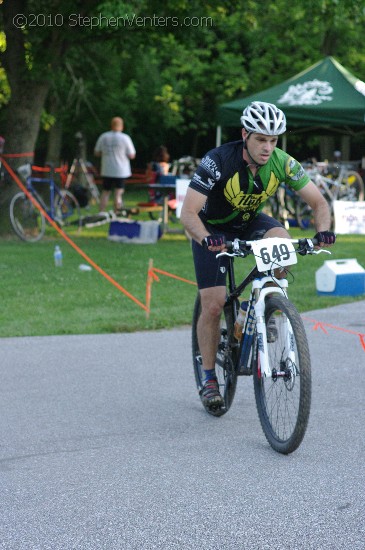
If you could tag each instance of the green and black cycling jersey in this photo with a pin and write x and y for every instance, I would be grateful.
(234, 195)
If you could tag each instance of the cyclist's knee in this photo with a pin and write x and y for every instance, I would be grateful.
(212, 301)
(280, 232)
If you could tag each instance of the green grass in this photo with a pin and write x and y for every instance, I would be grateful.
(40, 299)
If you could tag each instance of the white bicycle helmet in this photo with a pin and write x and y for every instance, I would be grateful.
(263, 118)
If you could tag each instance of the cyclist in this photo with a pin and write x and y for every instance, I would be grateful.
(224, 201)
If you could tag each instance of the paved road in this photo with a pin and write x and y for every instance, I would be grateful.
(104, 445)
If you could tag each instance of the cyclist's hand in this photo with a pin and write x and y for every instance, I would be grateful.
(325, 238)
(214, 243)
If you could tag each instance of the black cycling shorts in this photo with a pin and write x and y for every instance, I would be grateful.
(113, 183)
(211, 271)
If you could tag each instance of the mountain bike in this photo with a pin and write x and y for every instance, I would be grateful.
(28, 222)
(281, 368)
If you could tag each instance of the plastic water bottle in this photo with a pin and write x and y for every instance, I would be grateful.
(240, 321)
(57, 256)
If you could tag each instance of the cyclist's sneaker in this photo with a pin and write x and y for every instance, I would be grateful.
(271, 331)
(210, 395)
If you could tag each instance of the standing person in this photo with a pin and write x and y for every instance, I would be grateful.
(224, 201)
(116, 149)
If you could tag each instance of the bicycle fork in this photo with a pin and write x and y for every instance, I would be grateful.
(260, 293)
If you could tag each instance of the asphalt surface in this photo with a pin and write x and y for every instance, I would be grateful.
(104, 445)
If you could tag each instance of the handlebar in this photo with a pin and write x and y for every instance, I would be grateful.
(243, 248)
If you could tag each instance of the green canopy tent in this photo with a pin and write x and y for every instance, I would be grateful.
(324, 97)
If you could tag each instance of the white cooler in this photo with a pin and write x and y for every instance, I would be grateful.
(340, 278)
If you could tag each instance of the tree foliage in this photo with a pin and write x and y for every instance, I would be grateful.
(164, 67)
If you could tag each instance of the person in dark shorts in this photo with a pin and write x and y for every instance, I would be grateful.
(116, 149)
(224, 201)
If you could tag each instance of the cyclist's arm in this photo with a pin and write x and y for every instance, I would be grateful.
(192, 205)
(322, 215)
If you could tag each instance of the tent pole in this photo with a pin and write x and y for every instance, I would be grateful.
(218, 139)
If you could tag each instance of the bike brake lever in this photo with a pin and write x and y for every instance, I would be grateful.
(319, 251)
(224, 254)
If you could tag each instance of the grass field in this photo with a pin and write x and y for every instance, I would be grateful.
(40, 299)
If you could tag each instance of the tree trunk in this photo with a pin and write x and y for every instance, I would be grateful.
(23, 112)
(23, 115)
(21, 131)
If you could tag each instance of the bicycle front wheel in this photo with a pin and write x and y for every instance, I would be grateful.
(67, 210)
(283, 399)
(225, 359)
(27, 221)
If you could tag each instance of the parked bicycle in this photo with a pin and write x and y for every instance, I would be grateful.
(281, 369)
(347, 185)
(28, 222)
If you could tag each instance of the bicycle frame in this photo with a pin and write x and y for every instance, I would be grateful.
(53, 192)
(256, 302)
(55, 205)
(255, 316)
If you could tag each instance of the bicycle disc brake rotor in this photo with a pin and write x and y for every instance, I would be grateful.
(290, 375)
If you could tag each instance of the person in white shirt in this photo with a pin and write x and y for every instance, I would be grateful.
(116, 149)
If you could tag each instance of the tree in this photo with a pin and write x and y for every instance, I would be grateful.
(30, 59)
(164, 68)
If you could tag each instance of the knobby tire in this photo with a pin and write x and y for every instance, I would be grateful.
(283, 403)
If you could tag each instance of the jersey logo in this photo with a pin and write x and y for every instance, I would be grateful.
(294, 170)
(248, 202)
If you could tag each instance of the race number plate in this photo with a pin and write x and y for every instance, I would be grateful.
(273, 253)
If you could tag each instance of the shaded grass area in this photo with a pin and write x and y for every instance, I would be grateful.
(40, 299)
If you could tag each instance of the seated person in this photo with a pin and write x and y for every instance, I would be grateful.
(159, 166)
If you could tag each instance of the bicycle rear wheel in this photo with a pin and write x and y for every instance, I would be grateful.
(225, 359)
(283, 400)
(67, 210)
(27, 221)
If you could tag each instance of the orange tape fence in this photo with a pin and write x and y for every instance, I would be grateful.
(151, 274)
(318, 325)
(67, 238)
